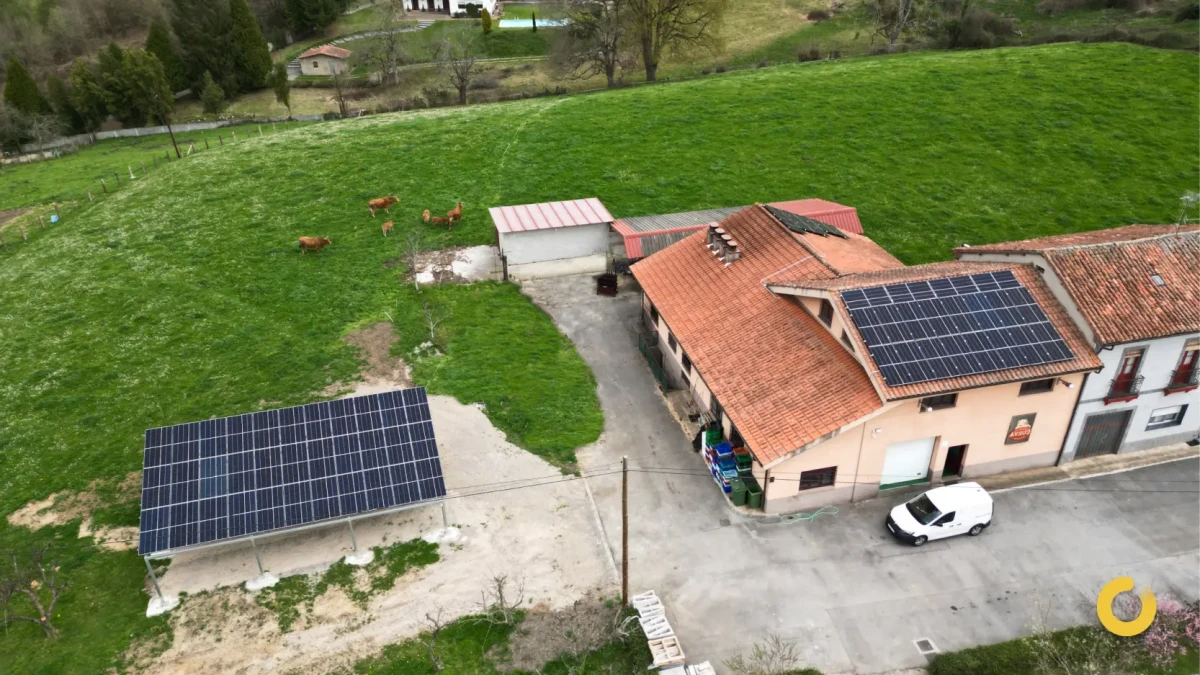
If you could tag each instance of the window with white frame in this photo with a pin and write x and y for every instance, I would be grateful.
(1166, 417)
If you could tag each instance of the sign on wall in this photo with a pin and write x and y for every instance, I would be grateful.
(1020, 428)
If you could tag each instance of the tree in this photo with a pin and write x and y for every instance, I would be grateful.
(456, 58)
(14, 126)
(533, 20)
(485, 20)
(21, 92)
(59, 95)
(88, 96)
(386, 53)
(148, 89)
(663, 26)
(278, 80)
(595, 40)
(158, 43)
(895, 18)
(205, 30)
(42, 128)
(307, 17)
(38, 584)
(212, 97)
(251, 58)
(339, 92)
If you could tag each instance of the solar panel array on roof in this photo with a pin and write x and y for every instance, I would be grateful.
(932, 330)
(259, 472)
(805, 225)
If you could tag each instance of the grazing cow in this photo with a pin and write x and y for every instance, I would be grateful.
(387, 227)
(381, 204)
(438, 220)
(313, 243)
(455, 214)
(425, 216)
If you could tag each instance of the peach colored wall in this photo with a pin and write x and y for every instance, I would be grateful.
(837, 328)
(979, 420)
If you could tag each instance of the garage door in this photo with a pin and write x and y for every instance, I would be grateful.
(907, 462)
(1102, 433)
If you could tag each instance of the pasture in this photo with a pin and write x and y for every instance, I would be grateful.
(184, 296)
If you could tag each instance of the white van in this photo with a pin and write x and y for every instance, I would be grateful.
(962, 508)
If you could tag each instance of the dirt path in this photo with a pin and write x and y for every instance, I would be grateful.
(546, 536)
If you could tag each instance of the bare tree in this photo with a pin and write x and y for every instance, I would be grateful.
(596, 40)
(339, 92)
(432, 321)
(44, 128)
(500, 605)
(14, 127)
(39, 584)
(456, 58)
(775, 656)
(664, 26)
(412, 253)
(386, 52)
(435, 628)
(894, 18)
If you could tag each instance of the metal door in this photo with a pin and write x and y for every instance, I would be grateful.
(1102, 433)
(907, 462)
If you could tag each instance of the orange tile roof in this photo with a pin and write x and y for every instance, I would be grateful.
(1108, 236)
(780, 376)
(1113, 286)
(1085, 358)
(851, 255)
(327, 50)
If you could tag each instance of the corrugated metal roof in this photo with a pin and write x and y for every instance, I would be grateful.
(668, 221)
(550, 215)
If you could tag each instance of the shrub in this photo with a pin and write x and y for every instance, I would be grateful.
(763, 63)
(835, 55)
(1188, 12)
(706, 71)
(485, 21)
(212, 96)
(818, 15)
(808, 53)
(485, 82)
(719, 69)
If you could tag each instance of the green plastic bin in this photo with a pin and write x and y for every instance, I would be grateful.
(754, 493)
(713, 435)
(737, 491)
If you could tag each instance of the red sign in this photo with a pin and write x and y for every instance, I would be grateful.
(1020, 428)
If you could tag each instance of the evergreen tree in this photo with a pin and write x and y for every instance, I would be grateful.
(485, 19)
(59, 95)
(205, 39)
(307, 17)
(21, 92)
(251, 59)
(158, 43)
(278, 80)
(148, 90)
(212, 98)
(88, 96)
(112, 78)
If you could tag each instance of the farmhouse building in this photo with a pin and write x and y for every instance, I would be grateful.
(451, 7)
(325, 60)
(1134, 292)
(553, 238)
(842, 372)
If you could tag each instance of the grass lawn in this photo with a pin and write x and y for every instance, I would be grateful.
(500, 43)
(183, 296)
(527, 11)
(73, 175)
(348, 23)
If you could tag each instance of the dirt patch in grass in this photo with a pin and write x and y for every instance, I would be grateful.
(543, 636)
(6, 216)
(375, 342)
(64, 507)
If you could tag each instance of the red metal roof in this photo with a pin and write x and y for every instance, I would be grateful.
(844, 218)
(550, 215)
(633, 239)
(327, 50)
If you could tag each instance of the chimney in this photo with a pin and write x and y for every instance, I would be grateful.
(732, 252)
(714, 231)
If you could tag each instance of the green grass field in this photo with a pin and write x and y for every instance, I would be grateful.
(183, 296)
(500, 43)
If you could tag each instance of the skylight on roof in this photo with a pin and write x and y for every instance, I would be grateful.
(1158, 281)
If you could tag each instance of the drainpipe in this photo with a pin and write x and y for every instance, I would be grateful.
(1071, 424)
(858, 463)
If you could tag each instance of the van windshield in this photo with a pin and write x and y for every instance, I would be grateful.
(923, 510)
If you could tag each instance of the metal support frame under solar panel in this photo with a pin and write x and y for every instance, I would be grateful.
(249, 539)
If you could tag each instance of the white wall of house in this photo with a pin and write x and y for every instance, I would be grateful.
(457, 6)
(322, 65)
(1158, 365)
(560, 243)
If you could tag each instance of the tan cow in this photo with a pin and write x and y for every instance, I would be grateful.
(313, 243)
(381, 204)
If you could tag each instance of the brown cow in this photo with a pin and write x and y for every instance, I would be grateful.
(455, 214)
(387, 227)
(425, 216)
(381, 204)
(438, 220)
(313, 243)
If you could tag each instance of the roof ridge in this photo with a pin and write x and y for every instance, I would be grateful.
(812, 252)
(1141, 240)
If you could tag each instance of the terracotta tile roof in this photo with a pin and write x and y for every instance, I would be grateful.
(851, 255)
(550, 215)
(1085, 359)
(327, 50)
(1108, 236)
(1114, 289)
(780, 376)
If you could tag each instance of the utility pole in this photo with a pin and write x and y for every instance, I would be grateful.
(625, 530)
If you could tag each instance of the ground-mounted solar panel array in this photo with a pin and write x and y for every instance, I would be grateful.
(965, 325)
(251, 474)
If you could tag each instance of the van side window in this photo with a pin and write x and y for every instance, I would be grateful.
(946, 519)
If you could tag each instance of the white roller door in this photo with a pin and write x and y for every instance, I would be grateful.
(907, 461)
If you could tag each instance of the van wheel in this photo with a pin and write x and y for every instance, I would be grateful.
(974, 531)
(920, 541)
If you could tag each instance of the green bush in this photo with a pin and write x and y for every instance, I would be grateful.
(1188, 12)
(212, 96)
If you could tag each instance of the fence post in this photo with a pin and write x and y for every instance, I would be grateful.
(220, 140)
(167, 154)
(103, 186)
(56, 210)
(118, 177)
(234, 136)
(143, 165)
(273, 129)
(24, 236)
(90, 197)
(41, 221)
(206, 144)
(260, 130)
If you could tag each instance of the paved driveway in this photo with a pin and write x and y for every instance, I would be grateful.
(852, 598)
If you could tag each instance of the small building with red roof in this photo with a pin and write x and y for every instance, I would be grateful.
(325, 60)
(552, 238)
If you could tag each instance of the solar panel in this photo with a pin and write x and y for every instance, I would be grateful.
(931, 330)
(250, 474)
(804, 224)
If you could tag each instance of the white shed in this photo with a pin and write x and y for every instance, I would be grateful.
(553, 238)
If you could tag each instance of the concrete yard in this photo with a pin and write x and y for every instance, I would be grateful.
(854, 599)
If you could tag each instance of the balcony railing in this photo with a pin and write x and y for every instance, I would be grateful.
(1124, 389)
(1185, 383)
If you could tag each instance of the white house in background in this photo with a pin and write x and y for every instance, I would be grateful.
(1134, 291)
(451, 7)
(325, 60)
